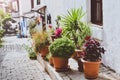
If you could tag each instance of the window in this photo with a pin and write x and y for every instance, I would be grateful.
(96, 12)
(15, 6)
(32, 3)
(38, 2)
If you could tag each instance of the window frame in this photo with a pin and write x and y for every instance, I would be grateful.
(38, 2)
(32, 4)
(96, 12)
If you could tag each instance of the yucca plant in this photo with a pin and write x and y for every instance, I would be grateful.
(74, 28)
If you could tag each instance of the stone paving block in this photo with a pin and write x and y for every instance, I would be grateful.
(62, 74)
(66, 78)
(16, 64)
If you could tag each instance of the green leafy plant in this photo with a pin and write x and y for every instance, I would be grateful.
(32, 27)
(3, 17)
(1, 35)
(93, 50)
(74, 28)
(58, 21)
(32, 54)
(41, 40)
(62, 47)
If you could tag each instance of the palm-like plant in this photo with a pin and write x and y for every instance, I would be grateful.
(74, 28)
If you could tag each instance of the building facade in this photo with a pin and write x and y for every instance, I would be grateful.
(102, 14)
(104, 21)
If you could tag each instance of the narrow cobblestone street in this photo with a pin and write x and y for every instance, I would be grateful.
(15, 63)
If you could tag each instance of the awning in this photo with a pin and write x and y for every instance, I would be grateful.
(39, 7)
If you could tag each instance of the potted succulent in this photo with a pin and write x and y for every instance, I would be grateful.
(41, 43)
(61, 49)
(92, 57)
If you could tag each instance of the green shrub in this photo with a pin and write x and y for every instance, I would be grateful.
(62, 47)
(31, 53)
(32, 27)
(1, 35)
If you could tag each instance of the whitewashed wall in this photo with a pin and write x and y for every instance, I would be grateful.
(111, 23)
(54, 7)
(60, 7)
(25, 6)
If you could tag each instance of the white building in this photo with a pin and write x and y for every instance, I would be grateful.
(104, 15)
(105, 24)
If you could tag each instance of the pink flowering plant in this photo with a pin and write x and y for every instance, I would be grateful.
(92, 49)
(58, 32)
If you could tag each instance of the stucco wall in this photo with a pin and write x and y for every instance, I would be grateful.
(60, 7)
(111, 27)
(111, 33)
(25, 6)
(54, 7)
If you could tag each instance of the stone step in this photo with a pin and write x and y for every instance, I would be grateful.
(73, 73)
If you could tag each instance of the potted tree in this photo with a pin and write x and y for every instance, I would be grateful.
(41, 43)
(61, 49)
(75, 29)
(92, 57)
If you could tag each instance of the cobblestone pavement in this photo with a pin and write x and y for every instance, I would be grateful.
(15, 64)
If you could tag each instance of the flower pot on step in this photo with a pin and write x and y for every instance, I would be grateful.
(91, 69)
(44, 51)
(51, 61)
(60, 64)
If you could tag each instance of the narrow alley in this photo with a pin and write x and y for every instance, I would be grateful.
(15, 63)
(59, 40)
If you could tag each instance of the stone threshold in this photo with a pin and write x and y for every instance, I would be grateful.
(73, 73)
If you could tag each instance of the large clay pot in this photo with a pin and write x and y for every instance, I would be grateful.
(44, 51)
(91, 69)
(60, 64)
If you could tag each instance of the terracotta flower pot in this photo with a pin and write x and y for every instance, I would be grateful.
(60, 64)
(51, 61)
(91, 69)
(44, 51)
